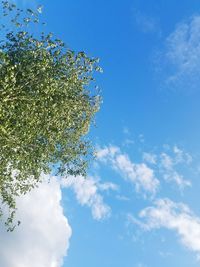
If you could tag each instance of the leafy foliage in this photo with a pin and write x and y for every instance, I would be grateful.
(46, 107)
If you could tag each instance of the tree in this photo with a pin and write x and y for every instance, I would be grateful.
(46, 107)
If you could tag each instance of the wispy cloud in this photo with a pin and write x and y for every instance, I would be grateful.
(107, 186)
(150, 157)
(137, 173)
(43, 237)
(181, 55)
(173, 216)
(168, 164)
(87, 194)
(146, 23)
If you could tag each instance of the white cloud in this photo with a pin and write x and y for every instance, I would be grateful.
(107, 186)
(137, 173)
(145, 23)
(122, 198)
(104, 153)
(166, 161)
(181, 156)
(168, 164)
(182, 55)
(42, 239)
(150, 158)
(178, 179)
(128, 142)
(173, 216)
(86, 191)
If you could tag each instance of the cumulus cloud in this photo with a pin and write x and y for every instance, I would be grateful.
(42, 239)
(182, 55)
(173, 216)
(137, 173)
(87, 193)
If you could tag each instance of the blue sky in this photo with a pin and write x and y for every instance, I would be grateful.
(139, 206)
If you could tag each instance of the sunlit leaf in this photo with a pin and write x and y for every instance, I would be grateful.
(46, 107)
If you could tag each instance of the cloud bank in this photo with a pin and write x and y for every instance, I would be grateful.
(42, 239)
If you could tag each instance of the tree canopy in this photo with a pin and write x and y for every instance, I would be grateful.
(46, 107)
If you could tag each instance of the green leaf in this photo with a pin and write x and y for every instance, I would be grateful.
(39, 9)
(47, 104)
